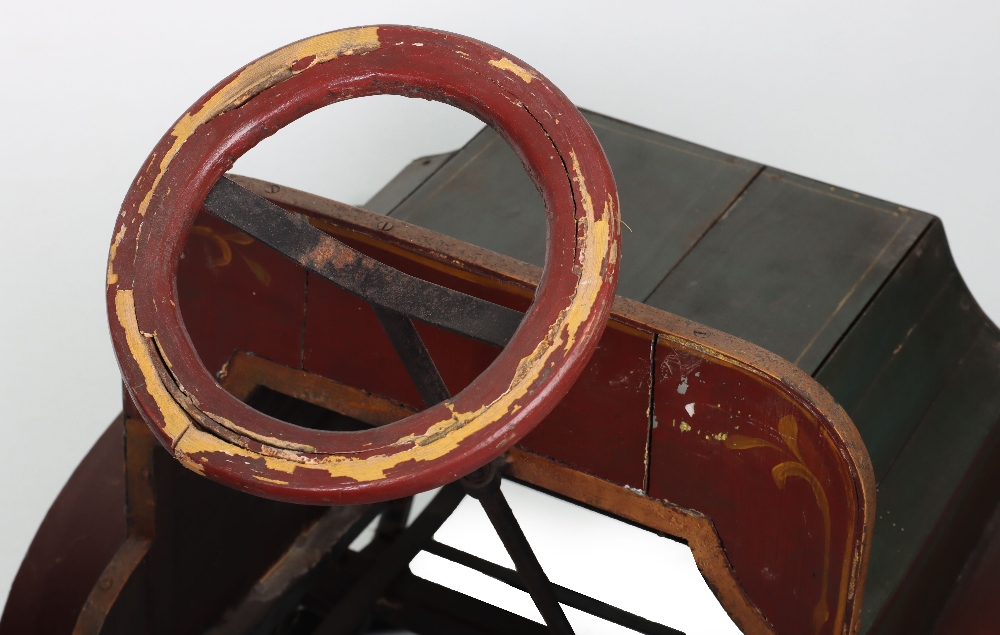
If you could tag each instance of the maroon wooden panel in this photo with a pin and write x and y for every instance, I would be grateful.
(770, 521)
(80, 533)
(236, 294)
(731, 444)
(602, 425)
(344, 342)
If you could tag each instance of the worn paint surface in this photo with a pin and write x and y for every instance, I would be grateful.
(219, 437)
(264, 73)
(769, 473)
(450, 438)
(507, 65)
(788, 431)
(709, 458)
(439, 439)
(175, 420)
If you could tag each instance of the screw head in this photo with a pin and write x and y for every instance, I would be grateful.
(272, 188)
(384, 225)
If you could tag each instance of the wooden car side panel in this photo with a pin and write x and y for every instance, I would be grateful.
(793, 537)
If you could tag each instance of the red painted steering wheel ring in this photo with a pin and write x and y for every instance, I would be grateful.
(186, 407)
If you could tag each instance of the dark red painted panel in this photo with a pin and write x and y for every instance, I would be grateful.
(726, 443)
(602, 424)
(236, 294)
(79, 535)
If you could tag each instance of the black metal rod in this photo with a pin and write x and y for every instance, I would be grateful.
(411, 350)
(484, 484)
(424, 607)
(393, 520)
(565, 596)
(354, 606)
(379, 284)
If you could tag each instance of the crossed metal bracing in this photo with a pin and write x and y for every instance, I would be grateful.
(346, 593)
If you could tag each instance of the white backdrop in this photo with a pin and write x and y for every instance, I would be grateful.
(897, 100)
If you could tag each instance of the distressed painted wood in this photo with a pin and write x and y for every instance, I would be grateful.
(861, 293)
(182, 529)
(195, 419)
(671, 193)
(223, 267)
(603, 428)
(780, 496)
(80, 533)
(918, 375)
(938, 496)
(889, 369)
(791, 265)
(759, 470)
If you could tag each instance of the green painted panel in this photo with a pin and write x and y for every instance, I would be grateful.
(670, 191)
(403, 184)
(791, 265)
(932, 471)
(889, 368)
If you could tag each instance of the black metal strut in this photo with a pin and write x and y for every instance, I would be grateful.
(484, 484)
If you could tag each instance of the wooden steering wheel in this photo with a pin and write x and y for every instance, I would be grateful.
(222, 438)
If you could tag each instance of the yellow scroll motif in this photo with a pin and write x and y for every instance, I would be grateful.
(788, 428)
(223, 241)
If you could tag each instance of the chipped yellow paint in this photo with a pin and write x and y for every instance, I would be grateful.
(440, 438)
(505, 64)
(445, 436)
(722, 436)
(259, 75)
(112, 276)
(270, 480)
(146, 361)
(175, 420)
(189, 463)
(166, 361)
(685, 427)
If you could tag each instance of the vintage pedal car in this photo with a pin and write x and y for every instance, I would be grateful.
(295, 368)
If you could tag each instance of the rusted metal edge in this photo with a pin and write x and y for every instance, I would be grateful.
(388, 290)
